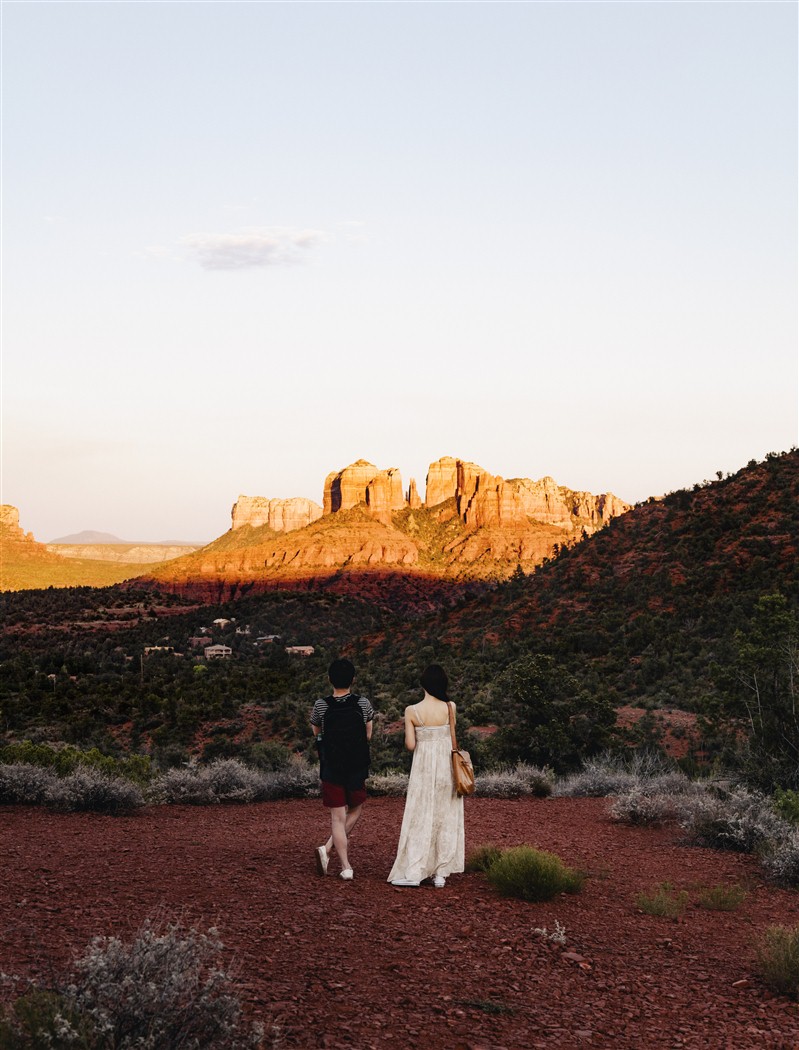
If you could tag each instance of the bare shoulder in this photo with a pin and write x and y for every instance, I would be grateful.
(409, 712)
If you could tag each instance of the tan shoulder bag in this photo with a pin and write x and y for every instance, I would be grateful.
(462, 768)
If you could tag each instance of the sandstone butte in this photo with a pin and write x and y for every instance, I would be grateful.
(471, 525)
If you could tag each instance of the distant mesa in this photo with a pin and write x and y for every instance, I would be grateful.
(88, 536)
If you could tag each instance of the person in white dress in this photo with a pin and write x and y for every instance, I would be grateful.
(431, 844)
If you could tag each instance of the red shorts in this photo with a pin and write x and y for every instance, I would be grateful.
(336, 795)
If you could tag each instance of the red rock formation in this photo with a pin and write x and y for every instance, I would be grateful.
(482, 500)
(281, 515)
(442, 481)
(413, 497)
(362, 482)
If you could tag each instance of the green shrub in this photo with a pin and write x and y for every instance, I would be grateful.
(664, 901)
(65, 760)
(722, 898)
(482, 857)
(532, 874)
(787, 804)
(45, 1019)
(777, 960)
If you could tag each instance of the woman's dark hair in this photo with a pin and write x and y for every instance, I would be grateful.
(434, 681)
(341, 673)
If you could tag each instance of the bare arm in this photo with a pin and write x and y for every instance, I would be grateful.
(410, 729)
(369, 730)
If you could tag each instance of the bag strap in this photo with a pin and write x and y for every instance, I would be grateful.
(452, 727)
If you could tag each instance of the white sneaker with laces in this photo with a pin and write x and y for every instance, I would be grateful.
(347, 874)
(439, 882)
(321, 860)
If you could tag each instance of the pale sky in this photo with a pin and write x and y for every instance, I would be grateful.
(245, 244)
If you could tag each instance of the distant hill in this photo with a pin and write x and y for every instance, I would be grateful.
(88, 536)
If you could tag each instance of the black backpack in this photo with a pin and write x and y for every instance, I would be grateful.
(345, 750)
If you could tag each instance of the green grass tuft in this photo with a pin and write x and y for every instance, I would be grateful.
(777, 960)
(722, 898)
(664, 901)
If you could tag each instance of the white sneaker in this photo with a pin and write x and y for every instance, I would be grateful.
(321, 860)
(439, 882)
(347, 874)
(404, 882)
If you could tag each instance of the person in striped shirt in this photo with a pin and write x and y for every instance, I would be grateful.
(342, 727)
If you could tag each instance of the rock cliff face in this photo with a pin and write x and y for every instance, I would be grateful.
(280, 515)
(481, 499)
(362, 482)
(9, 522)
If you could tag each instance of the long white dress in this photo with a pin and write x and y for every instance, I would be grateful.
(431, 838)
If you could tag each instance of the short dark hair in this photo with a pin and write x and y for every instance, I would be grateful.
(341, 673)
(435, 682)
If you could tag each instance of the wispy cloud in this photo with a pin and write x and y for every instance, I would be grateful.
(274, 246)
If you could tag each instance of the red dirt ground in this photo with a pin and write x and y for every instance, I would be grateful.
(365, 965)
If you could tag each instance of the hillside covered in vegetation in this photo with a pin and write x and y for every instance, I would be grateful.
(656, 610)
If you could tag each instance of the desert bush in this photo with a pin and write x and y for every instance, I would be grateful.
(780, 858)
(741, 820)
(164, 989)
(229, 780)
(532, 875)
(23, 784)
(663, 901)
(89, 789)
(617, 775)
(722, 898)
(639, 807)
(482, 857)
(516, 781)
(390, 784)
(777, 960)
(298, 779)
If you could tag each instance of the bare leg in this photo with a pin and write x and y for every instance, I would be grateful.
(338, 824)
(349, 823)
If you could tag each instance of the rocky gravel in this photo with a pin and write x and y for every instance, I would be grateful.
(368, 966)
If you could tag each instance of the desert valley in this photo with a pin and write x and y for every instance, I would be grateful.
(577, 630)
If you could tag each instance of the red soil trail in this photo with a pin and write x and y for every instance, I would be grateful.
(364, 965)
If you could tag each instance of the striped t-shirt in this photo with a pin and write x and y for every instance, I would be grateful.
(320, 707)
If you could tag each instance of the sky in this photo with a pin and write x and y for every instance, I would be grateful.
(245, 244)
